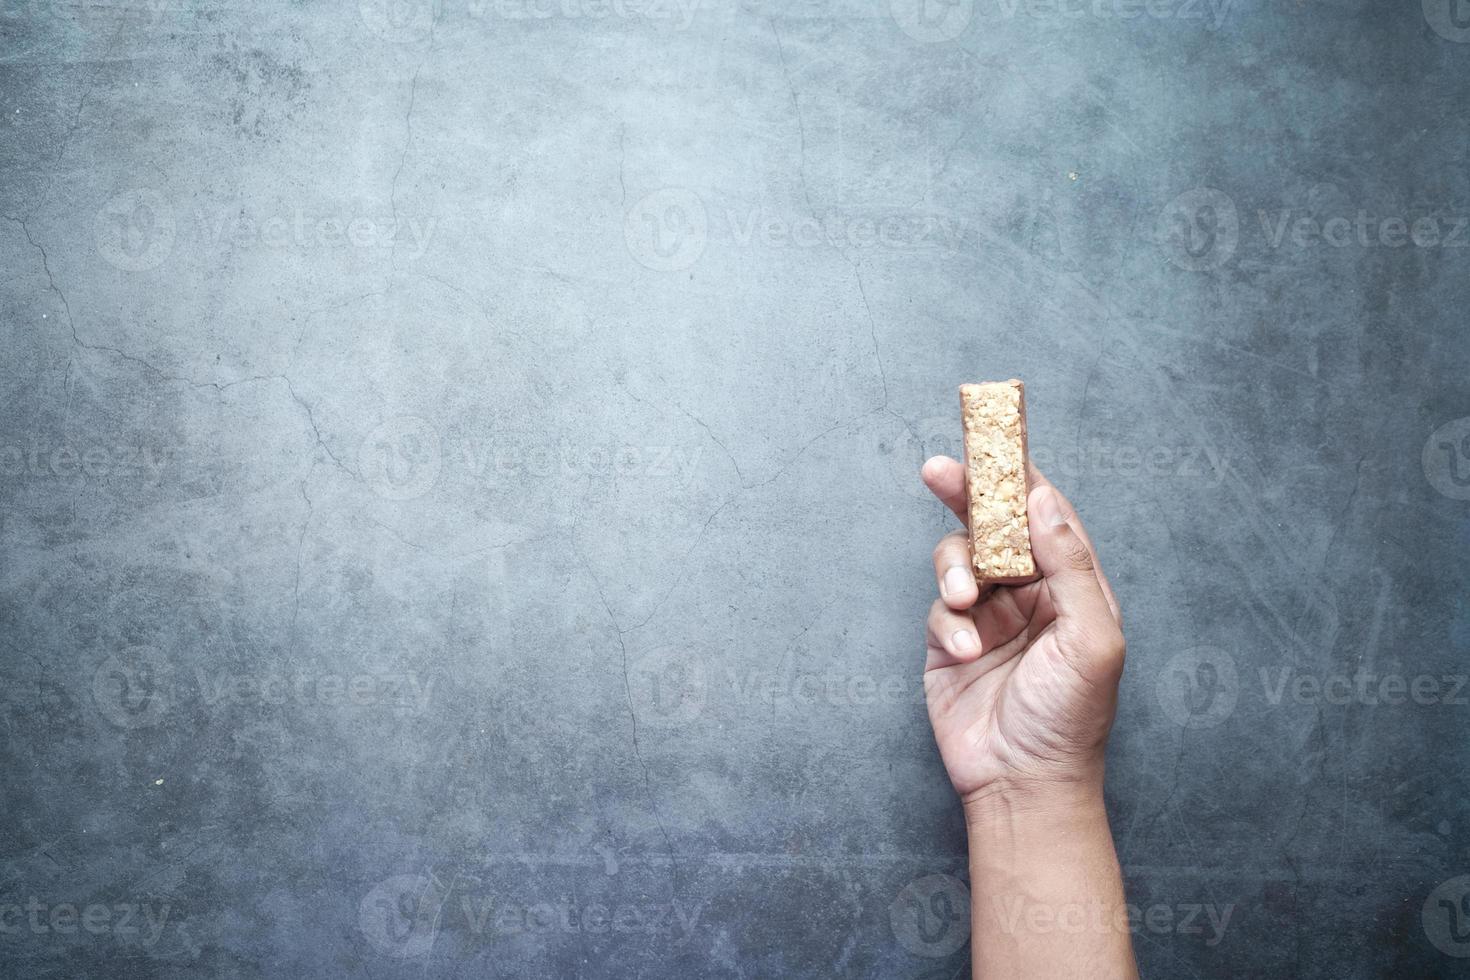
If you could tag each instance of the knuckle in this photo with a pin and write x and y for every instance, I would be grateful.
(948, 547)
(1077, 556)
(937, 611)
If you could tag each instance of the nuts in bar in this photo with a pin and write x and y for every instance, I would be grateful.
(994, 416)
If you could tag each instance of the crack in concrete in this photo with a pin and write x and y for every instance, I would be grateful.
(633, 716)
(842, 253)
(413, 92)
(300, 550)
(163, 375)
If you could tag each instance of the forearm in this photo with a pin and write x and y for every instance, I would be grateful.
(1046, 888)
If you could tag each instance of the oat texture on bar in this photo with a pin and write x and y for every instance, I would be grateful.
(994, 416)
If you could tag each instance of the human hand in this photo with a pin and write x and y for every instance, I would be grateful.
(1022, 681)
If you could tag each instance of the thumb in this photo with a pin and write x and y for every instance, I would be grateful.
(1066, 563)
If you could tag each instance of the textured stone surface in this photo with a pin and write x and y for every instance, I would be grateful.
(459, 512)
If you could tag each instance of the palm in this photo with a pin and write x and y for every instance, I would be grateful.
(1018, 711)
(1037, 698)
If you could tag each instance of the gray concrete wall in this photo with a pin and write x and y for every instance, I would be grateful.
(460, 512)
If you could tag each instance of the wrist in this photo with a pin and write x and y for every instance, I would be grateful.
(1031, 801)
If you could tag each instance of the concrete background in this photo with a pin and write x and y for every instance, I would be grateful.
(460, 512)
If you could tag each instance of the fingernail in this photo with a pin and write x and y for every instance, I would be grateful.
(964, 641)
(1050, 508)
(955, 581)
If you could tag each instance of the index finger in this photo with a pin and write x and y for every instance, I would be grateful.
(945, 478)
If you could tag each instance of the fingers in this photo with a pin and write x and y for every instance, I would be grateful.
(945, 478)
(1066, 563)
(951, 638)
(1005, 618)
(1035, 478)
(954, 572)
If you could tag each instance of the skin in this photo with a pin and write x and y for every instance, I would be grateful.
(1022, 687)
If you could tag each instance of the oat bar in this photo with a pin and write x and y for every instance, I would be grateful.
(994, 417)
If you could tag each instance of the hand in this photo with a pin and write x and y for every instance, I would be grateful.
(1022, 681)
